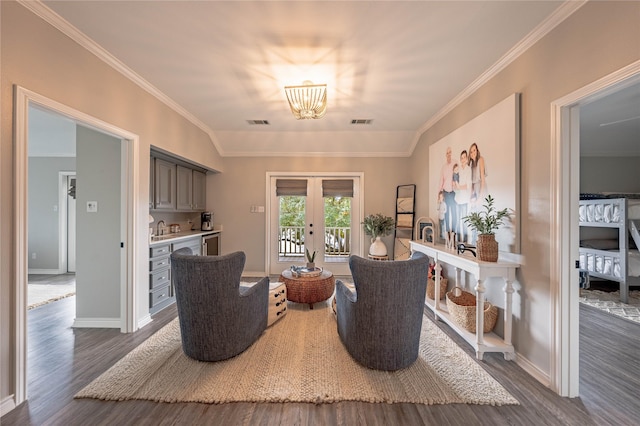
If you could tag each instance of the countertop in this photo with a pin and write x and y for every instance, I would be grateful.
(179, 236)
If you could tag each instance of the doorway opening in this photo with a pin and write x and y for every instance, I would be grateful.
(565, 179)
(127, 211)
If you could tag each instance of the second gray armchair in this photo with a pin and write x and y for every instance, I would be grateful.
(380, 324)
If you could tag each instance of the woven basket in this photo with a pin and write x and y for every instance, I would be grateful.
(308, 289)
(431, 288)
(487, 248)
(462, 309)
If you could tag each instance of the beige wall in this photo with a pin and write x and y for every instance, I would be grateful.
(39, 58)
(601, 37)
(243, 184)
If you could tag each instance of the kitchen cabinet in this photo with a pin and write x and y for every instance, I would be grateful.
(164, 185)
(176, 187)
(160, 288)
(199, 190)
(152, 165)
(161, 291)
(191, 188)
(184, 179)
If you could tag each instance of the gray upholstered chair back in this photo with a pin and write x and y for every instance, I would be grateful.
(218, 318)
(380, 325)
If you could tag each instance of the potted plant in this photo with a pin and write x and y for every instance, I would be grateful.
(376, 226)
(310, 260)
(486, 223)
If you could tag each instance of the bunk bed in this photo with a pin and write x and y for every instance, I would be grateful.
(606, 251)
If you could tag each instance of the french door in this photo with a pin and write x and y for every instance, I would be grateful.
(314, 214)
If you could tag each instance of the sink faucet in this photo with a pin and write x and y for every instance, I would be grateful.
(161, 226)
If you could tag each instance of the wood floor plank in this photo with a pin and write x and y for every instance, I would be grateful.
(63, 360)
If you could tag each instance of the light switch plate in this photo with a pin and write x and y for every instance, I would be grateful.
(92, 206)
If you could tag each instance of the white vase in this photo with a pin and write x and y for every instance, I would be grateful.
(377, 247)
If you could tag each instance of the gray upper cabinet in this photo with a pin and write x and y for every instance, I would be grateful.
(152, 172)
(164, 185)
(199, 190)
(185, 188)
(175, 186)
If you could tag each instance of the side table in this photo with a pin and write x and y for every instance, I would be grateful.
(308, 289)
(277, 302)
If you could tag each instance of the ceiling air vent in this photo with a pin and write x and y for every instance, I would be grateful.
(361, 121)
(258, 122)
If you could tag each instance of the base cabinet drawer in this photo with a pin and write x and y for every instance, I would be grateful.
(159, 279)
(159, 295)
(159, 263)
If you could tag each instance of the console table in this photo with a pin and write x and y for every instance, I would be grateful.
(481, 342)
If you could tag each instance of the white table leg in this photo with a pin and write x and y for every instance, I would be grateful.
(508, 317)
(436, 302)
(480, 314)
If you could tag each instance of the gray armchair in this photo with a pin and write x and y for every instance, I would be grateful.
(380, 324)
(218, 318)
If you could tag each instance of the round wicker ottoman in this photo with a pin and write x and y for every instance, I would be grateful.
(308, 289)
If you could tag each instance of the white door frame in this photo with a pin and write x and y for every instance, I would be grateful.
(63, 221)
(23, 98)
(565, 179)
(356, 217)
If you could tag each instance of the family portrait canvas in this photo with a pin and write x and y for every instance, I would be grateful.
(478, 159)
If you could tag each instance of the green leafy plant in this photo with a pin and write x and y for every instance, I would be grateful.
(311, 257)
(487, 221)
(378, 225)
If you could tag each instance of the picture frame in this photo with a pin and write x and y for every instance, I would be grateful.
(478, 159)
(426, 230)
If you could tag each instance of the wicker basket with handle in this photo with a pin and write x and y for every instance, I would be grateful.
(431, 288)
(462, 308)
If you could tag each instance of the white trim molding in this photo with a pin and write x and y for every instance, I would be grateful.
(96, 323)
(7, 404)
(23, 99)
(564, 190)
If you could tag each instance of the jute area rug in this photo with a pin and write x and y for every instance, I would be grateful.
(610, 302)
(300, 358)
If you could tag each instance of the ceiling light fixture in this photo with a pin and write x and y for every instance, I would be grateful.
(307, 101)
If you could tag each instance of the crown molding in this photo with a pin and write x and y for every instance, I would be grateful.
(556, 18)
(44, 12)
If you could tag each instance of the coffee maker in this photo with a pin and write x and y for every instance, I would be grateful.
(206, 221)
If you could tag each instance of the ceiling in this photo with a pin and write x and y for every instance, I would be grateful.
(224, 63)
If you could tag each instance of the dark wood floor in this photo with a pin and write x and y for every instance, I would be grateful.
(63, 360)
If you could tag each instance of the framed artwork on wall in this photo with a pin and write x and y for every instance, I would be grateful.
(480, 158)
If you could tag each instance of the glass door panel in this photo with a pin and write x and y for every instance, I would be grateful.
(315, 218)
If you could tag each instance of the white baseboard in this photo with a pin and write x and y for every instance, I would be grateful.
(45, 271)
(96, 323)
(7, 404)
(534, 371)
(146, 320)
